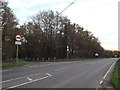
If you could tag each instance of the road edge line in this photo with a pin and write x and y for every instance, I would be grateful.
(101, 82)
(109, 70)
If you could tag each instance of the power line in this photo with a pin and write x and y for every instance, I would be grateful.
(67, 7)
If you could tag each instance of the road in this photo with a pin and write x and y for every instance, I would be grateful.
(71, 74)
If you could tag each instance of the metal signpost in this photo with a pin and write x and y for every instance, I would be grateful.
(17, 42)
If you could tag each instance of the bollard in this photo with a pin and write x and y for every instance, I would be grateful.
(54, 57)
(42, 59)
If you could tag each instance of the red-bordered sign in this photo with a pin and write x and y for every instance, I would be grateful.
(18, 37)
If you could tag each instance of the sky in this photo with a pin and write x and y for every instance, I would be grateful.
(97, 16)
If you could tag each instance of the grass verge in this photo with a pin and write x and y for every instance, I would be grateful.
(61, 60)
(116, 76)
(13, 64)
(72, 59)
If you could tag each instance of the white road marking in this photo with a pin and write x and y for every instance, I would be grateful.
(20, 78)
(40, 65)
(91, 63)
(61, 69)
(48, 75)
(5, 70)
(29, 78)
(101, 82)
(34, 66)
(109, 70)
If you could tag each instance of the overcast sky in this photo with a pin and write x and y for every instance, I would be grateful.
(98, 16)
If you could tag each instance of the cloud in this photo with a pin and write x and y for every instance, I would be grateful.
(98, 16)
(24, 9)
(32, 3)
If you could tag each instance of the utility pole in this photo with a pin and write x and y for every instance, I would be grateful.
(57, 24)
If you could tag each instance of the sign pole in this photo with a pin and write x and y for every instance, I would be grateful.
(17, 53)
(17, 42)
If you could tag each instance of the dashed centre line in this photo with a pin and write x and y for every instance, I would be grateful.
(61, 68)
(29, 78)
(5, 70)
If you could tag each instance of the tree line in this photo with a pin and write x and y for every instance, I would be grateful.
(48, 35)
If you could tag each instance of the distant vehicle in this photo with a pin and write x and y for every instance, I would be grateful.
(96, 54)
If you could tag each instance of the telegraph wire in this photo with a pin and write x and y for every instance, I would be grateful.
(67, 7)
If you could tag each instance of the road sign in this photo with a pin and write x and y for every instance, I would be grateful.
(18, 37)
(17, 42)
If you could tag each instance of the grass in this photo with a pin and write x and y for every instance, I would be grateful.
(116, 76)
(13, 64)
(21, 63)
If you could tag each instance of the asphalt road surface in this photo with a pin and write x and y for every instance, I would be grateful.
(71, 74)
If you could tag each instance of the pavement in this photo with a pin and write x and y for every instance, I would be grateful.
(70, 74)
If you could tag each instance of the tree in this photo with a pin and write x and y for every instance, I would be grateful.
(49, 34)
(9, 29)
